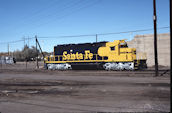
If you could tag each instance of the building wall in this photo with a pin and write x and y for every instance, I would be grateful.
(144, 45)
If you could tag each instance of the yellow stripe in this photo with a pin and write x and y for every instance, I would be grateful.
(85, 61)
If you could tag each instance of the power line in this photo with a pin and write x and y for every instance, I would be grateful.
(88, 35)
(15, 41)
(85, 35)
(36, 12)
(39, 15)
(12, 42)
(142, 30)
(69, 6)
(76, 7)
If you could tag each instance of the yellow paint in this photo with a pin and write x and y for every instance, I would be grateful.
(119, 54)
(114, 51)
(77, 56)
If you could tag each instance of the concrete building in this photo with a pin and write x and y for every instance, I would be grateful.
(144, 45)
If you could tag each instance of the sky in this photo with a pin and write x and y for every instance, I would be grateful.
(49, 19)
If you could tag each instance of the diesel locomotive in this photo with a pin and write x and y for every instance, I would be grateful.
(114, 55)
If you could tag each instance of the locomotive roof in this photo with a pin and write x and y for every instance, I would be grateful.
(83, 43)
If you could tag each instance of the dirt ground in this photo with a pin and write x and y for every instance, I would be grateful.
(28, 90)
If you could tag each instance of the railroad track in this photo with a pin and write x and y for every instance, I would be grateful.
(147, 72)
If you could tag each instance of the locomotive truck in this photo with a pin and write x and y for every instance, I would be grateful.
(114, 55)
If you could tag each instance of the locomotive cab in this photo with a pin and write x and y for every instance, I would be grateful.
(117, 51)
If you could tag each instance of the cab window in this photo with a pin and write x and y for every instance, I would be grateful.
(112, 48)
(123, 45)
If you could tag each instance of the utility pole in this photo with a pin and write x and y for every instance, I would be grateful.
(155, 38)
(40, 47)
(25, 50)
(24, 41)
(37, 66)
(28, 41)
(96, 37)
(170, 48)
(40, 50)
(8, 49)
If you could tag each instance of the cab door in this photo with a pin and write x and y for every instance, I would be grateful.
(114, 52)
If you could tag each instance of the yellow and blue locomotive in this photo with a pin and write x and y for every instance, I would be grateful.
(100, 55)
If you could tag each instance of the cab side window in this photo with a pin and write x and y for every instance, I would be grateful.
(112, 48)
